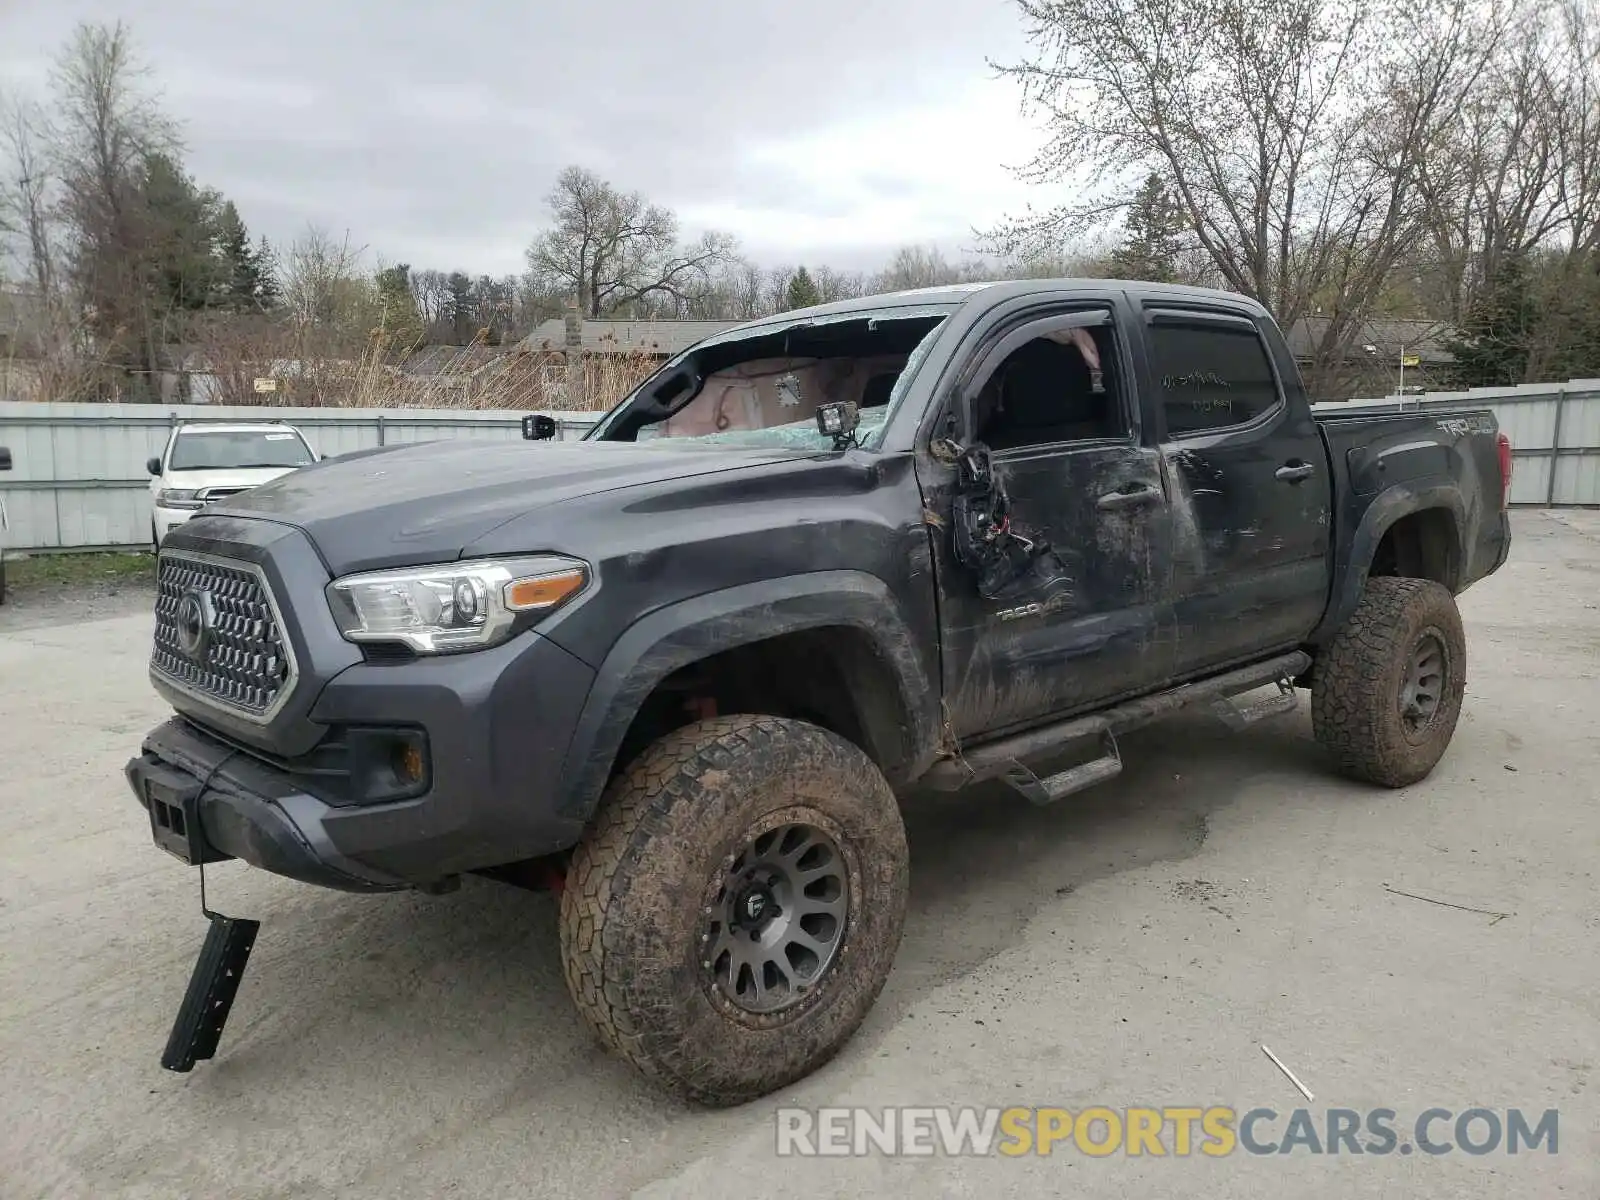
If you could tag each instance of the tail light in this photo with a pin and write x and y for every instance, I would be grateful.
(1505, 471)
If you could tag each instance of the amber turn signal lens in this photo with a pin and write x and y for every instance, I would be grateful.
(408, 763)
(542, 591)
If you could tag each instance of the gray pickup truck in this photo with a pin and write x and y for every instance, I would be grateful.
(687, 668)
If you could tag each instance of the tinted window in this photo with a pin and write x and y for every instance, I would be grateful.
(1211, 376)
(214, 450)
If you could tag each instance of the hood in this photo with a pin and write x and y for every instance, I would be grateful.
(231, 477)
(424, 502)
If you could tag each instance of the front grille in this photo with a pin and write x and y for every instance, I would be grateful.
(239, 660)
(219, 493)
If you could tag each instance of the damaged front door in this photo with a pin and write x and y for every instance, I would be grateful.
(1058, 549)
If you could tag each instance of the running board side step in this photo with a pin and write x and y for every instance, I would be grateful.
(1241, 716)
(1005, 759)
(1074, 779)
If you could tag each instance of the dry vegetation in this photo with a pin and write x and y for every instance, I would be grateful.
(1342, 161)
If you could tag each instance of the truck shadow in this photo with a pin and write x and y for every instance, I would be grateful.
(985, 861)
(449, 1016)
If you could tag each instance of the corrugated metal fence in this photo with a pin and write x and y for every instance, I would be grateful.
(78, 478)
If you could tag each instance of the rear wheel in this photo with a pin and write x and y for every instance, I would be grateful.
(1386, 692)
(733, 914)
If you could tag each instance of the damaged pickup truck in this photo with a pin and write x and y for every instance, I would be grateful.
(686, 668)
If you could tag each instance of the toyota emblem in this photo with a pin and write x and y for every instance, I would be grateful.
(196, 620)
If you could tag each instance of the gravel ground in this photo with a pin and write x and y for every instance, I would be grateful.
(1132, 946)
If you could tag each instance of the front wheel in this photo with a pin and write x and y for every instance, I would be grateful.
(1386, 692)
(731, 917)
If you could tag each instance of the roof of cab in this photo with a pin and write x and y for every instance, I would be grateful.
(998, 290)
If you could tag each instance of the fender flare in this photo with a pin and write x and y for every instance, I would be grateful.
(1387, 507)
(673, 637)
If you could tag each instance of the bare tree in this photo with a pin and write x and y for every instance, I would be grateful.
(743, 293)
(25, 195)
(434, 306)
(1493, 185)
(915, 267)
(610, 249)
(1290, 132)
(107, 126)
(323, 280)
(1512, 195)
(835, 285)
(331, 301)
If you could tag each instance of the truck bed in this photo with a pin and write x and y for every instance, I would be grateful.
(1390, 460)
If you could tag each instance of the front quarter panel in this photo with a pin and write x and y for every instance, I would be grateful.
(686, 568)
(673, 637)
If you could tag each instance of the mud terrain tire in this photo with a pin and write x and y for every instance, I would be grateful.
(647, 901)
(1386, 692)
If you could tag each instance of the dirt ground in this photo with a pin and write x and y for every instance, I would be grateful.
(1135, 945)
(68, 589)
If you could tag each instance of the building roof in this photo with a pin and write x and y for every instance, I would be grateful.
(626, 337)
(1387, 339)
(452, 360)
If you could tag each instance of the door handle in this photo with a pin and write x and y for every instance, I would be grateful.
(1140, 493)
(1294, 472)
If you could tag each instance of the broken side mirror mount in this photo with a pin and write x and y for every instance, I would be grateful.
(1007, 563)
(980, 507)
(536, 427)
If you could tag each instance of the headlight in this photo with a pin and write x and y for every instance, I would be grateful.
(453, 606)
(178, 498)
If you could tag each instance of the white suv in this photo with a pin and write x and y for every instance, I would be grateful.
(205, 462)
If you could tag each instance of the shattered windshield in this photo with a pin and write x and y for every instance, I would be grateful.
(763, 387)
(799, 435)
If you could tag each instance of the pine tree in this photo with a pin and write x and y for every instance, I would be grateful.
(1149, 251)
(1491, 349)
(802, 291)
(460, 306)
(239, 272)
(269, 292)
(177, 227)
(401, 330)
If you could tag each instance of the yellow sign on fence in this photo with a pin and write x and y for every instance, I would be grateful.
(266, 385)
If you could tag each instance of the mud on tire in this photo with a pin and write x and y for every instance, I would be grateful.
(647, 888)
(1386, 692)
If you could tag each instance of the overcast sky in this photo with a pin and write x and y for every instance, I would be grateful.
(827, 131)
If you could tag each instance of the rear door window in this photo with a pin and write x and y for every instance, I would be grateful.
(1210, 375)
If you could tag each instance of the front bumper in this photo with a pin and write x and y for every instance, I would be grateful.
(165, 520)
(498, 723)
